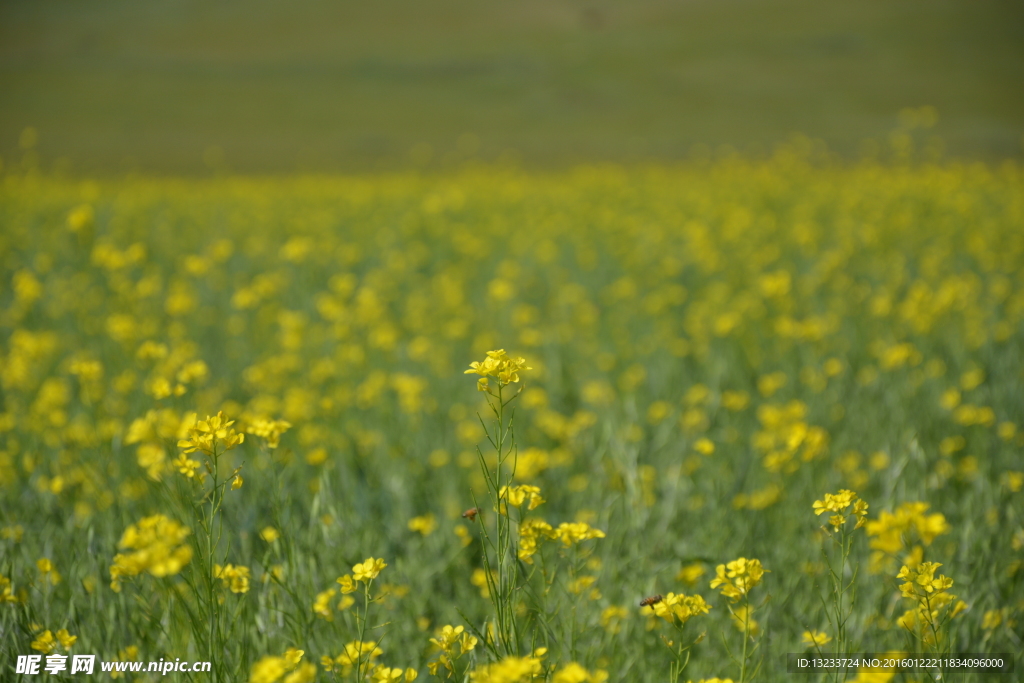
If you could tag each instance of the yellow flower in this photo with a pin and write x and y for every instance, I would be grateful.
(425, 524)
(704, 446)
(737, 577)
(271, 430)
(348, 585)
(843, 503)
(207, 434)
(158, 546)
(237, 482)
(268, 670)
(234, 578)
(680, 607)
(574, 673)
(44, 642)
(574, 532)
(270, 534)
(517, 495)
(186, 465)
(816, 639)
(368, 570)
(322, 604)
(498, 364)
(508, 670)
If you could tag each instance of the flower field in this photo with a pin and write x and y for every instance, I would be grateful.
(716, 413)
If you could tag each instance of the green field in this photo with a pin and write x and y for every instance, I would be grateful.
(267, 86)
(713, 349)
(568, 341)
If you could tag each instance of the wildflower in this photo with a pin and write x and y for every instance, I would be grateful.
(368, 570)
(497, 364)
(843, 504)
(158, 546)
(356, 652)
(235, 578)
(48, 571)
(322, 604)
(508, 670)
(815, 639)
(574, 673)
(348, 584)
(517, 495)
(738, 577)
(383, 674)
(673, 607)
(236, 482)
(271, 430)
(206, 434)
(612, 617)
(574, 532)
(270, 669)
(425, 524)
(186, 465)
(934, 603)
(44, 642)
(6, 590)
(270, 534)
(704, 446)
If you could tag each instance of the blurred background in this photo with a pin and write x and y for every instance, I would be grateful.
(276, 86)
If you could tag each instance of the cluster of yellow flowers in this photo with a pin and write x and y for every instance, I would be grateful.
(46, 642)
(934, 603)
(446, 641)
(736, 578)
(497, 364)
(234, 578)
(533, 530)
(890, 531)
(517, 495)
(268, 429)
(158, 546)
(209, 434)
(287, 668)
(356, 653)
(680, 608)
(843, 504)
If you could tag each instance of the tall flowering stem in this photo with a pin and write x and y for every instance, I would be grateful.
(845, 507)
(934, 607)
(500, 565)
(211, 438)
(735, 581)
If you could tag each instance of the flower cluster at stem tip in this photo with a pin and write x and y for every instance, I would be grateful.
(841, 504)
(497, 364)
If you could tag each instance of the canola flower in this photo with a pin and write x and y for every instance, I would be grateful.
(737, 577)
(678, 609)
(888, 534)
(497, 364)
(286, 668)
(368, 570)
(158, 546)
(815, 639)
(509, 670)
(935, 604)
(842, 504)
(356, 654)
(234, 578)
(209, 434)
